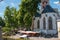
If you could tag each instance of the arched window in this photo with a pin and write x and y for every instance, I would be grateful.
(44, 23)
(50, 23)
(38, 24)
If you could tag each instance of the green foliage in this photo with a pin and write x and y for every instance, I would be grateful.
(27, 20)
(10, 17)
(2, 23)
(20, 18)
(28, 9)
(6, 29)
(14, 17)
(30, 6)
(23, 17)
(7, 16)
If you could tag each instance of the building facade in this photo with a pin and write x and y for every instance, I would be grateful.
(46, 21)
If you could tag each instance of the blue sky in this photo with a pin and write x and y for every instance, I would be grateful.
(11, 3)
(15, 3)
(54, 4)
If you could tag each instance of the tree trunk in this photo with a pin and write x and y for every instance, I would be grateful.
(32, 25)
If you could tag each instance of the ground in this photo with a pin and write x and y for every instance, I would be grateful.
(37, 38)
(41, 38)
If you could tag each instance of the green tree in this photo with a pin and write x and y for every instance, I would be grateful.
(27, 21)
(7, 16)
(2, 23)
(10, 16)
(24, 16)
(20, 17)
(14, 20)
(30, 6)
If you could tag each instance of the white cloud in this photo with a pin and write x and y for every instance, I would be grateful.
(12, 4)
(57, 2)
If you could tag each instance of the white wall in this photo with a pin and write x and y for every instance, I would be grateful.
(46, 15)
(58, 25)
(54, 22)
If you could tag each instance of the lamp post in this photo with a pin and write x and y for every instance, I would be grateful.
(0, 33)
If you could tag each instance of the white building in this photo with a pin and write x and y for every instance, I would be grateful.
(46, 21)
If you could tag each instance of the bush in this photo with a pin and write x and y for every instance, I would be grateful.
(6, 29)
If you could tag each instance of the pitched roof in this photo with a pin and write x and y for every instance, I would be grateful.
(48, 9)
